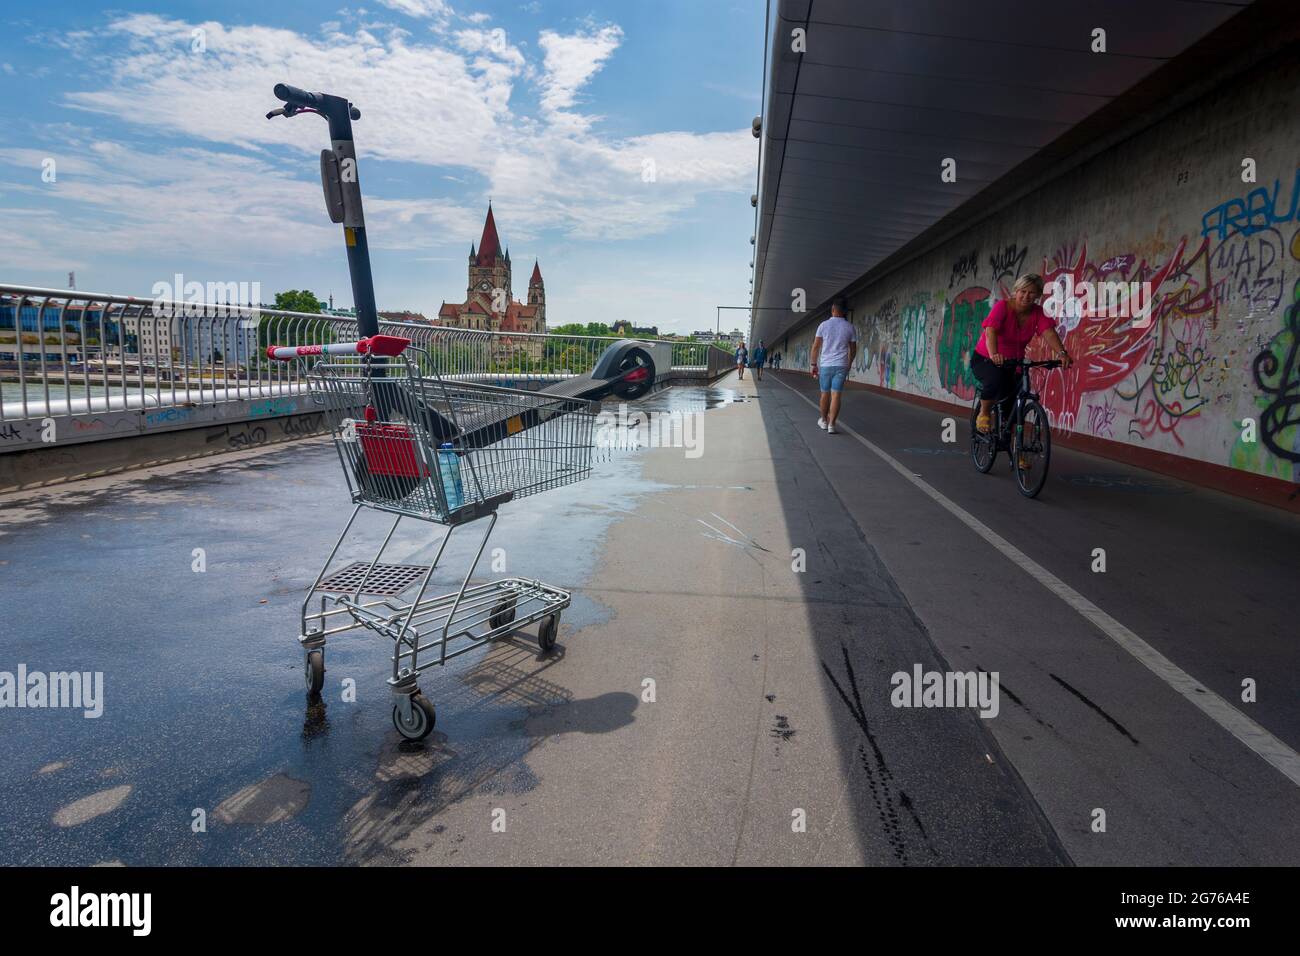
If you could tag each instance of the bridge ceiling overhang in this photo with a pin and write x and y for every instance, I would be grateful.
(857, 126)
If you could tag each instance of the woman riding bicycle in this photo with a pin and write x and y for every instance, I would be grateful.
(1011, 325)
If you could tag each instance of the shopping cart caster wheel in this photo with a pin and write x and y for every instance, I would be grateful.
(547, 630)
(502, 614)
(314, 670)
(423, 717)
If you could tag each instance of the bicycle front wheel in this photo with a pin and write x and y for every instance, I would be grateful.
(983, 446)
(1031, 452)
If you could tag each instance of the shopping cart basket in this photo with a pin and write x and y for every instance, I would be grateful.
(417, 445)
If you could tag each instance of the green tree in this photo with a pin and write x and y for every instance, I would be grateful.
(296, 300)
(276, 330)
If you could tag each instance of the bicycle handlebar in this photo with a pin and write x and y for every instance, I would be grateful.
(1021, 363)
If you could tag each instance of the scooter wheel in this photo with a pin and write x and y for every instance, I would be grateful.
(630, 361)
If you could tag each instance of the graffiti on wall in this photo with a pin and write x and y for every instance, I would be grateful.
(1101, 418)
(1007, 262)
(1249, 269)
(967, 265)
(1258, 209)
(871, 330)
(1276, 371)
(955, 342)
(915, 346)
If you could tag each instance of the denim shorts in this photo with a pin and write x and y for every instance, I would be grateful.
(832, 377)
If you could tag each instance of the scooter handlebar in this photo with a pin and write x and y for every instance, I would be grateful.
(291, 94)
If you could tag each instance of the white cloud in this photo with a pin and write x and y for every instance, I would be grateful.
(161, 205)
(418, 8)
(415, 99)
(427, 104)
(571, 60)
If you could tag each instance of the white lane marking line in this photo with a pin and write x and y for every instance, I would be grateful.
(1258, 739)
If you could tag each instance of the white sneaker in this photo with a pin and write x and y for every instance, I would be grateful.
(830, 430)
(821, 423)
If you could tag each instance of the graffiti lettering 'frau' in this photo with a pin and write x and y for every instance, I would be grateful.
(1257, 210)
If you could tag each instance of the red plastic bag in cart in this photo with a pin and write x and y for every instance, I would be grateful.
(389, 450)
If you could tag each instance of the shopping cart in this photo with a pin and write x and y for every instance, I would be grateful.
(417, 445)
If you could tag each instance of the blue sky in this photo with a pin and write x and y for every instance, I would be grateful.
(164, 162)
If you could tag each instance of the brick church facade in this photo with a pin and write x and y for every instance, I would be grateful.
(489, 303)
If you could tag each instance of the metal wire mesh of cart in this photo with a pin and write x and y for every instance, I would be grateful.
(413, 443)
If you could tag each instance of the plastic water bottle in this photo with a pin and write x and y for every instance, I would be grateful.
(449, 468)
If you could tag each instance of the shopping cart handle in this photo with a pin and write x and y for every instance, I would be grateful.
(375, 345)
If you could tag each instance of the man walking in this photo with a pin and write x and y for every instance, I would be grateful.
(833, 351)
(760, 356)
(776, 361)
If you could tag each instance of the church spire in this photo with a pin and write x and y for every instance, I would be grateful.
(536, 278)
(489, 247)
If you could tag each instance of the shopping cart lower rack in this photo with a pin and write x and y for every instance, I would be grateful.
(416, 445)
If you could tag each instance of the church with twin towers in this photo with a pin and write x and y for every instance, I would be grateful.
(489, 303)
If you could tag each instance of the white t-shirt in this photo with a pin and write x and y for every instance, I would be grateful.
(836, 333)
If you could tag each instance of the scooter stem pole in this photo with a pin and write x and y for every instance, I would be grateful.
(338, 111)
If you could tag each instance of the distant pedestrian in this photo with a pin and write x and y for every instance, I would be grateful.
(742, 359)
(834, 348)
(760, 356)
(776, 361)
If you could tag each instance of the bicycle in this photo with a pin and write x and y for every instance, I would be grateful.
(1024, 435)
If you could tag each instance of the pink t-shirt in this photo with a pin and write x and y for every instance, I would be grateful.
(1012, 337)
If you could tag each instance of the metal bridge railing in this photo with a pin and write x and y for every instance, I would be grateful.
(64, 352)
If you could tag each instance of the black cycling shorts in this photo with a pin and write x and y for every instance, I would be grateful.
(997, 382)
